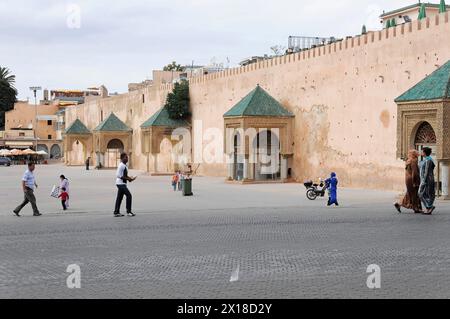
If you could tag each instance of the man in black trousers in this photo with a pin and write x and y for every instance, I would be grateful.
(122, 189)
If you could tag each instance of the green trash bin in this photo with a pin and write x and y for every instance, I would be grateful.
(186, 185)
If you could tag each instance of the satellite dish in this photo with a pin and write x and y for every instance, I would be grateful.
(407, 19)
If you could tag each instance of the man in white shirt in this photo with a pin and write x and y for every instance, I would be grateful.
(28, 185)
(122, 179)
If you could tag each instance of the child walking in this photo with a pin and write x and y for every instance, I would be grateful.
(175, 181)
(64, 197)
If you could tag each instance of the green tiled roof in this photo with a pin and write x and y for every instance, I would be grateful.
(77, 127)
(112, 124)
(436, 86)
(162, 118)
(258, 103)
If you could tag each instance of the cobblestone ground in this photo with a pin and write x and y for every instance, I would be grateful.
(285, 246)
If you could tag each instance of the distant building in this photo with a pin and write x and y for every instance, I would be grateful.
(41, 126)
(409, 13)
(33, 126)
(253, 59)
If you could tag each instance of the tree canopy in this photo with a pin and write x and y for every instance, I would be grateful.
(173, 67)
(178, 101)
(8, 93)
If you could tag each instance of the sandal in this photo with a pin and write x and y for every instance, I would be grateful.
(429, 211)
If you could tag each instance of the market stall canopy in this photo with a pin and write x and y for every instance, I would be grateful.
(4, 152)
(41, 153)
(15, 152)
(28, 152)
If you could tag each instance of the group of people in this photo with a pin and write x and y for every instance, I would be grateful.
(420, 183)
(29, 185)
(177, 179)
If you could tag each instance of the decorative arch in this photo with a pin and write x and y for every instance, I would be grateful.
(425, 134)
(114, 148)
(42, 147)
(266, 148)
(115, 144)
(78, 152)
(55, 151)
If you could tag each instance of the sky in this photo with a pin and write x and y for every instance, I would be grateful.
(58, 44)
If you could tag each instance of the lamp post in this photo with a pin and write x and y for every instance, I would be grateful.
(35, 89)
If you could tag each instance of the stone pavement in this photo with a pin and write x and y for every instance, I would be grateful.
(285, 246)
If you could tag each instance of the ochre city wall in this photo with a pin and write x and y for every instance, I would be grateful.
(341, 94)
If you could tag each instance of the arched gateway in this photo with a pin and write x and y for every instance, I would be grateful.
(423, 117)
(259, 140)
(425, 136)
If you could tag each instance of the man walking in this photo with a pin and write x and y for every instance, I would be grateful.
(28, 185)
(122, 189)
(87, 163)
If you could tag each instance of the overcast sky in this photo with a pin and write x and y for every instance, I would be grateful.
(77, 44)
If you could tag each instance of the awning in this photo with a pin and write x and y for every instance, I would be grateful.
(19, 144)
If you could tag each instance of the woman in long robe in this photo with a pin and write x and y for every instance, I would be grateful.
(412, 181)
(332, 183)
(427, 189)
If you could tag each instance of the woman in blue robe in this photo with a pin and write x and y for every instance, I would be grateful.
(332, 183)
(427, 189)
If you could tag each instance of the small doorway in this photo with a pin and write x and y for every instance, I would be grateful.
(113, 150)
(238, 166)
(266, 148)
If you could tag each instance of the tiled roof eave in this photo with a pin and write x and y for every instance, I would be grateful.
(403, 102)
(259, 116)
(78, 133)
(113, 131)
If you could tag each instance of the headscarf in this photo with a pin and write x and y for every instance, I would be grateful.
(412, 155)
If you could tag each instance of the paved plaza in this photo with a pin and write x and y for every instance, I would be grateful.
(269, 239)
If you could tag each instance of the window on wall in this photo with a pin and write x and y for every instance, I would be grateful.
(143, 98)
(49, 137)
(49, 122)
(21, 134)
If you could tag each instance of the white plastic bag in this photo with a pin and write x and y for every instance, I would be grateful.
(55, 191)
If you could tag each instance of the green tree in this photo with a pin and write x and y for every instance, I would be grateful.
(178, 101)
(173, 67)
(8, 93)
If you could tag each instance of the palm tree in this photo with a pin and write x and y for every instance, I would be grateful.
(6, 76)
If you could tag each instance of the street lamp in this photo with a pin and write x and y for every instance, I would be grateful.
(35, 89)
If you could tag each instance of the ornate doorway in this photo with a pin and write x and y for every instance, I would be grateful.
(266, 148)
(425, 137)
(238, 163)
(113, 150)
